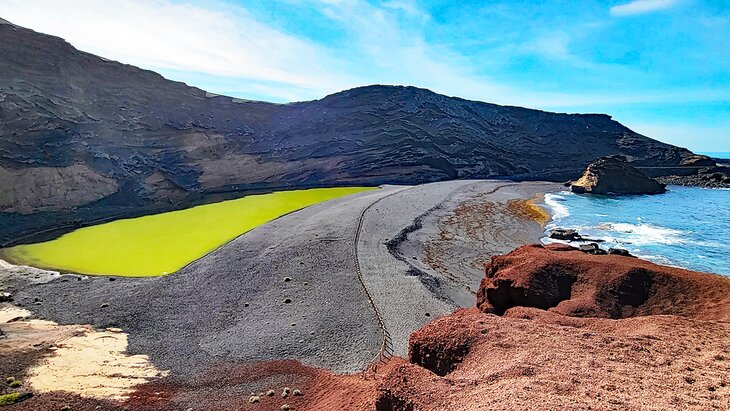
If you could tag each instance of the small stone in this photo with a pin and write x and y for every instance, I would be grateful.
(287, 300)
(66, 408)
(285, 407)
(287, 279)
(297, 393)
(245, 304)
(114, 330)
(306, 283)
(285, 392)
(270, 393)
(9, 379)
(311, 333)
(104, 305)
(112, 278)
(428, 314)
(254, 399)
(293, 324)
(5, 297)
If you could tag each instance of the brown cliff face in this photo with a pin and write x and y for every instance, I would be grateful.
(613, 175)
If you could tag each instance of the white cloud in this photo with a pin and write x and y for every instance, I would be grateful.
(641, 6)
(167, 35)
(223, 48)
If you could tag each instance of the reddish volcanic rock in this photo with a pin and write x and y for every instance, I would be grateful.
(536, 359)
(564, 280)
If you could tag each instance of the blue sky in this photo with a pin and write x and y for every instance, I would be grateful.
(662, 67)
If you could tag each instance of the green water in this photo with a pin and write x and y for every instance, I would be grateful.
(161, 244)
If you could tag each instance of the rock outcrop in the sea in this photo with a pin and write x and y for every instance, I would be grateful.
(120, 141)
(614, 175)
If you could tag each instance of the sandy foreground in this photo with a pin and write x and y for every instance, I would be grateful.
(228, 325)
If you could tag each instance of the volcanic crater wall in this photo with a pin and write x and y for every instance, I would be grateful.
(125, 141)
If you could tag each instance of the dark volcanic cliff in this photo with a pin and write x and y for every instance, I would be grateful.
(83, 138)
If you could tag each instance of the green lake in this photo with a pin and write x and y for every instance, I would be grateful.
(161, 244)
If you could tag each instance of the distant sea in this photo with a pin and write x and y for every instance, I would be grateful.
(717, 154)
(686, 227)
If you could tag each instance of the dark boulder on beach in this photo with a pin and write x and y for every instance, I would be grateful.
(614, 175)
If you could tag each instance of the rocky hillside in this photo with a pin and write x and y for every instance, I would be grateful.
(83, 138)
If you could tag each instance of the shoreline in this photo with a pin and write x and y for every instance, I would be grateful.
(685, 227)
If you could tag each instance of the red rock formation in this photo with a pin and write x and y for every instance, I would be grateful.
(575, 331)
(566, 281)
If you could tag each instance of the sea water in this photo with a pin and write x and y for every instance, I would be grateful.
(686, 227)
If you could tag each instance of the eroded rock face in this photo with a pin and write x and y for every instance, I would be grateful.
(34, 189)
(60, 106)
(697, 160)
(613, 175)
(570, 282)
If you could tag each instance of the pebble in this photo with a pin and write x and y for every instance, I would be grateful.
(287, 300)
(104, 305)
(287, 279)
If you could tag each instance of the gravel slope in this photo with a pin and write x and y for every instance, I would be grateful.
(230, 305)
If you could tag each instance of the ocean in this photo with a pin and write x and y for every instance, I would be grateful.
(686, 227)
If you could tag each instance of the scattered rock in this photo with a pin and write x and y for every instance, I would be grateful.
(285, 407)
(270, 393)
(5, 297)
(613, 175)
(287, 279)
(567, 234)
(254, 399)
(105, 305)
(592, 248)
(297, 393)
(619, 251)
(285, 392)
(287, 301)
